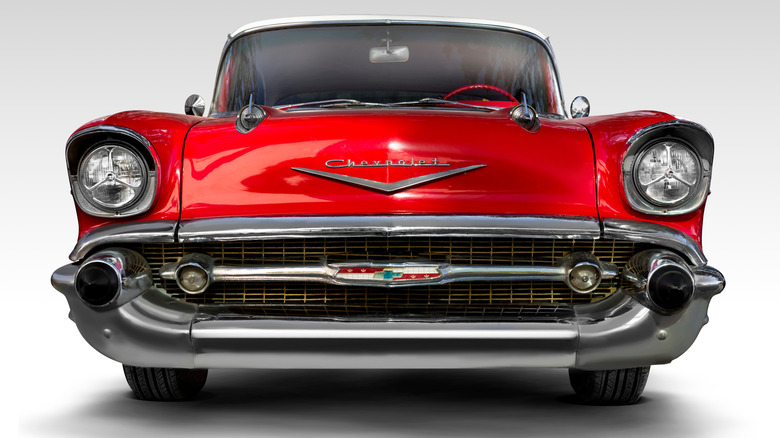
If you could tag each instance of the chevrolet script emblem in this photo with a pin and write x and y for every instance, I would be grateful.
(382, 186)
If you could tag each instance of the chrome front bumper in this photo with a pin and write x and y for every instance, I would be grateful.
(151, 329)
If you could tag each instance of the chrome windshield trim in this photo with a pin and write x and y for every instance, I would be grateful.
(327, 20)
(648, 232)
(242, 228)
(153, 231)
(281, 23)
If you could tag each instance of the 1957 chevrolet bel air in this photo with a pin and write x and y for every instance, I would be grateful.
(389, 193)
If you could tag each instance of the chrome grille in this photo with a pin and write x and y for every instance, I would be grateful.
(474, 299)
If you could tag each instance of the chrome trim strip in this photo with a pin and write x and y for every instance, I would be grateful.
(378, 19)
(111, 129)
(505, 273)
(263, 228)
(666, 124)
(388, 187)
(333, 273)
(133, 232)
(243, 228)
(648, 232)
(219, 273)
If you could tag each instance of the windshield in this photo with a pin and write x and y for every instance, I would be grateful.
(385, 64)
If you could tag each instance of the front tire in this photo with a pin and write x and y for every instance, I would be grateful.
(609, 387)
(164, 384)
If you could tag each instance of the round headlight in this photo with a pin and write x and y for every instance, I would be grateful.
(666, 168)
(112, 177)
(667, 173)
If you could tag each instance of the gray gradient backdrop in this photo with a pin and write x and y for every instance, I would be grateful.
(66, 63)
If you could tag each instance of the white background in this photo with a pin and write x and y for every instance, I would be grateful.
(66, 63)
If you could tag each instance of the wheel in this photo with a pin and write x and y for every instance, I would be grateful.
(481, 87)
(164, 384)
(609, 387)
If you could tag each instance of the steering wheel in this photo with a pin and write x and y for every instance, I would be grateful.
(481, 87)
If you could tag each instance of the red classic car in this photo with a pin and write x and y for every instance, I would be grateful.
(389, 193)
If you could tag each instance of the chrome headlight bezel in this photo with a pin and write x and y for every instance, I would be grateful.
(689, 136)
(90, 141)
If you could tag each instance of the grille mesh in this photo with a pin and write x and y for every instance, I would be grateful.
(473, 299)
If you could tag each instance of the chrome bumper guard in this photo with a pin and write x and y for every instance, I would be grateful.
(146, 327)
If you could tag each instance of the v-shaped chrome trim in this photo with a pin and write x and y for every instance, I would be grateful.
(388, 187)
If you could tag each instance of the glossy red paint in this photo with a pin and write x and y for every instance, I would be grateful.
(226, 173)
(610, 134)
(166, 133)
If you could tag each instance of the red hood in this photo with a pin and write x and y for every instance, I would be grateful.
(226, 173)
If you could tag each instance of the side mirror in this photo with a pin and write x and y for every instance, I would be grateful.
(194, 105)
(580, 107)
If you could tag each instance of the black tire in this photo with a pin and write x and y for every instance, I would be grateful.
(609, 387)
(164, 384)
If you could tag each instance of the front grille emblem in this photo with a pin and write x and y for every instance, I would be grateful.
(388, 273)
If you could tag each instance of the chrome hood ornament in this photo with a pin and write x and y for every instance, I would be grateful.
(382, 186)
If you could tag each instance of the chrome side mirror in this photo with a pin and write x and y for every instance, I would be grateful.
(580, 107)
(194, 105)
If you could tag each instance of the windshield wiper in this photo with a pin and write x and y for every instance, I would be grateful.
(345, 103)
(432, 101)
(331, 103)
(354, 103)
